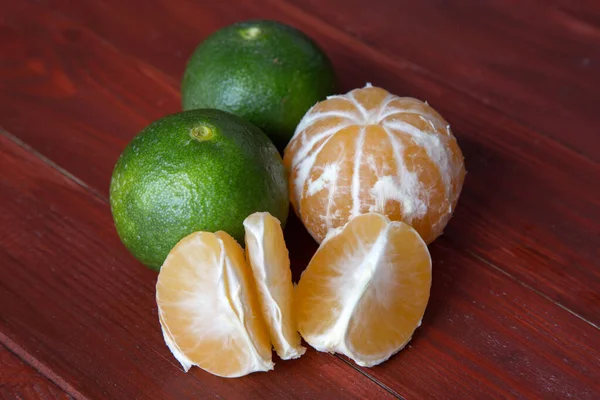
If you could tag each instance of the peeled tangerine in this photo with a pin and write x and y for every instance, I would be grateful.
(365, 290)
(215, 313)
(372, 151)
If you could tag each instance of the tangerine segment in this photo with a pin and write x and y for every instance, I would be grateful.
(268, 257)
(365, 291)
(371, 151)
(208, 307)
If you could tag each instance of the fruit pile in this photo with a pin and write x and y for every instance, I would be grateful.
(222, 310)
(373, 177)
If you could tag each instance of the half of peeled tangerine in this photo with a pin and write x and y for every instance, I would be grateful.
(208, 307)
(365, 290)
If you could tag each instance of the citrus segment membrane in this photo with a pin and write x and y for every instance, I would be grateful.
(208, 307)
(268, 257)
(365, 290)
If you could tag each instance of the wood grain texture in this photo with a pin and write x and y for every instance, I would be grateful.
(78, 88)
(81, 306)
(536, 61)
(530, 205)
(58, 72)
(484, 336)
(63, 262)
(20, 381)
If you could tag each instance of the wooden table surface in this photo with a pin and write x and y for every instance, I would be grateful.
(515, 303)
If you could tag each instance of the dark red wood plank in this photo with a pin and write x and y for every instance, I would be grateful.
(97, 99)
(506, 340)
(534, 60)
(484, 336)
(20, 381)
(530, 206)
(75, 301)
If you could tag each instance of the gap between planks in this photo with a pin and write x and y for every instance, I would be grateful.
(503, 272)
(372, 378)
(30, 360)
(27, 357)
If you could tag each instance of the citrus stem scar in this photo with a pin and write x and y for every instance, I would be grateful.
(250, 33)
(202, 133)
